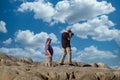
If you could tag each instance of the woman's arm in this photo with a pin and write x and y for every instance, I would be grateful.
(49, 53)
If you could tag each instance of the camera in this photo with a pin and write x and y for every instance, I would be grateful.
(71, 33)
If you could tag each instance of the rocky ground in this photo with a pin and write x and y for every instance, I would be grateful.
(12, 68)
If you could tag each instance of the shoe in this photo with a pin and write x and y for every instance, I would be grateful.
(71, 65)
(61, 64)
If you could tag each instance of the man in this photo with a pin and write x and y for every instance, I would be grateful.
(65, 40)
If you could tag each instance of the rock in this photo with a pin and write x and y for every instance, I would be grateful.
(10, 60)
(25, 60)
(85, 76)
(105, 75)
(95, 65)
(2, 61)
(3, 56)
(6, 73)
(30, 77)
(117, 74)
(7, 60)
(12, 68)
(102, 65)
(118, 68)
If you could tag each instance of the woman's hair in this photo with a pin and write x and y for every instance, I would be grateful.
(48, 39)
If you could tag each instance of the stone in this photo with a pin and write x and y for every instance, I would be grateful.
(12, 68)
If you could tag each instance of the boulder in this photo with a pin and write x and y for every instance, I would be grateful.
(6, 73)
(12, 68)
(25, 60)
(105, 76)
(102, 65)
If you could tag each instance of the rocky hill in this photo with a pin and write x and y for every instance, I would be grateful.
(12, 68)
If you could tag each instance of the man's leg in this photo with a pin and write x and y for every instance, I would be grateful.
(63, 56)
(68, 49)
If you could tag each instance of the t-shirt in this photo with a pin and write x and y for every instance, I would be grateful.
(65, 40)
(49, 48)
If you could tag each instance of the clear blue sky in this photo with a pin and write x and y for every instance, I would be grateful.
(25, 25)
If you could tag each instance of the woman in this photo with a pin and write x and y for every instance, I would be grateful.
(49, 52)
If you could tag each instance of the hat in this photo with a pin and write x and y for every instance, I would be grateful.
(68, 29)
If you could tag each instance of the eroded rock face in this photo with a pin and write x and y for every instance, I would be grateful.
(12, 68)
(25, 60)
(56, 73)
(10, 60)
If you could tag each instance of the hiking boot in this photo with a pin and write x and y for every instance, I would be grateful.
(71, 65)
(61, 64)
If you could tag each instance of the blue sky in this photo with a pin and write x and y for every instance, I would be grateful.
(25, 25)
